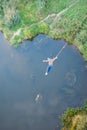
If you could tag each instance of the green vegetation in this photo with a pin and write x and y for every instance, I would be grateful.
(23, 19)
(75, 118)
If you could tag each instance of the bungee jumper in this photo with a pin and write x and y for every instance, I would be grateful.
(50, 61)
(50, 64)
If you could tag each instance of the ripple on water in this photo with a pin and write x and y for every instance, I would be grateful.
(70, 78)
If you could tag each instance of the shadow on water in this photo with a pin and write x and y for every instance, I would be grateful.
(28, 98)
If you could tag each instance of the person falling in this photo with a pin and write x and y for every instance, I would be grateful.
(50, 62)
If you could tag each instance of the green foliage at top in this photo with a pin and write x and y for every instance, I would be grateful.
(28, 16)
(56, 5)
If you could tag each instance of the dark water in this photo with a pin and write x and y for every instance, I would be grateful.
(29, 100)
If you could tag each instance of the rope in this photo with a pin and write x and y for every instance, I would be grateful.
(61, 50)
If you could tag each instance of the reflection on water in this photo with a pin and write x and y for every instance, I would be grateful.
(29, 99)
(38, 98)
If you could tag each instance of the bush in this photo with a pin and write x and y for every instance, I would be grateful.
(11, 18)
(10, 15)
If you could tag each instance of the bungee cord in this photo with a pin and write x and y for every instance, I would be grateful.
(61, 50)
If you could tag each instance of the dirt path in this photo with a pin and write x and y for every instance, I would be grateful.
(49, 16)
(58, 14)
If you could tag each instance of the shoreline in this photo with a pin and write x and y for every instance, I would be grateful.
(30, 39)
(68, 22)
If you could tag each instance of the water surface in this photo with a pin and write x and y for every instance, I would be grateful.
(29, 100)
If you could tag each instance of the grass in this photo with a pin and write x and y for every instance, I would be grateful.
(71, 25)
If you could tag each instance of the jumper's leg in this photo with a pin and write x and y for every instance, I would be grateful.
(48, 69)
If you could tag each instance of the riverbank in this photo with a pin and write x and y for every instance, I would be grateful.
(58, 19)
(75, 118)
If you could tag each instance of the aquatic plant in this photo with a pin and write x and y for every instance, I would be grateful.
(75, 118)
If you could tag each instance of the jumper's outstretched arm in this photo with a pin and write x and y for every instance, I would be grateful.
(54, 58)
(45, 60)
(50, 60)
